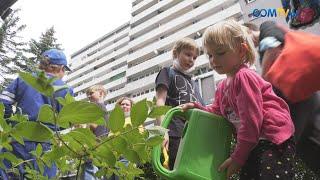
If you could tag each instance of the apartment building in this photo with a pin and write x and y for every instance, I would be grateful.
(127, 60)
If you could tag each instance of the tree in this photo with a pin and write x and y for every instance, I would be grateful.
(72, 148)
(47, 41)
(12, 48)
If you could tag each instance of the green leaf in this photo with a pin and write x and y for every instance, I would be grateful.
(141, 149)
(61, 101)
(38, 150)
(58, 88)
(69, 99)
(119, 144)
(159, 111)
(33, 131)
(132, 156)
(116, 120)
(18, 138)
(19, 118)
(134, 136)
(55, 154)
(80, 112)
(139, 113)
(84, 136)
(40, 82)
(100, 121)
(40, 165)
(66, 100)
(105, 154)
(156, 130)
(46, 114)
(3, 124)
(10, 157)
(154, 140)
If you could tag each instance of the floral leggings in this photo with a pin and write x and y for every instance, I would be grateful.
(268, 161)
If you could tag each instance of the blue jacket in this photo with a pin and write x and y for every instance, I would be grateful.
(28, 99)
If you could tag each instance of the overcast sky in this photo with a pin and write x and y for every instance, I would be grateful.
(77, 22)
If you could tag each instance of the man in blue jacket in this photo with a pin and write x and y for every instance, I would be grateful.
(29, 101)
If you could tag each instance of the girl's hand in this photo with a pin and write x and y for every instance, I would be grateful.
(186, 106)
(232, 167)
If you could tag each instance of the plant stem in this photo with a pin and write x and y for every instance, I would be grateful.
(55, 124)
(78, 169)
(126, 132)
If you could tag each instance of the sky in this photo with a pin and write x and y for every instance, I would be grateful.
(77, 22)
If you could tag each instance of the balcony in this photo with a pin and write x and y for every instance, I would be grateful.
(100, 79)
(123, 35)
(149, 96)
(143, 16)
(89, 67)
(206, 9)
(173, 12)
(141, 83)
(229, 12)
(106, 68)
(142, 6)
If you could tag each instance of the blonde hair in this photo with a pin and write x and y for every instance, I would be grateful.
(184, 43)
(230, 34)
(48, 67)
(97, 87)
(119, 101)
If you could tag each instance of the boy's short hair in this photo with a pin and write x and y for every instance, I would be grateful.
(251, 26)
(184, 43)
(97, 87)
(46, 66)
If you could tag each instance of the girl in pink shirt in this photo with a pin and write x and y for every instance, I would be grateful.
(265, 148)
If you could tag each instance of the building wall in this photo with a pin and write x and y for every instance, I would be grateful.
(127, 60)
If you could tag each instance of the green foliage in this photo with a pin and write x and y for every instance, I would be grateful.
(70, 149)
(79, 112)
(139, 113)
(33, 131)
(46, 41)
(116, 120)
(39, 82)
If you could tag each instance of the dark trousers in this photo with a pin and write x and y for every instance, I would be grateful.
(268, 161)
(173, 149)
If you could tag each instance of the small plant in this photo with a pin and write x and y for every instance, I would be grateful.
(71, 149)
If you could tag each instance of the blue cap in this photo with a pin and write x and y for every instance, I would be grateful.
(56, 56)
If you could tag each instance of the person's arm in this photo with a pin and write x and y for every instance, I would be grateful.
(162, 85)
(161, 95)
(215, 106)
(249, 103)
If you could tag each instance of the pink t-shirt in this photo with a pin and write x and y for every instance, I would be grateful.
(256, 112)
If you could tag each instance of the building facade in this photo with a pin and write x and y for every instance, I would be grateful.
(127, 60)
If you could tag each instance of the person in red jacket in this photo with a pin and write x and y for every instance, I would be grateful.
(284, 60)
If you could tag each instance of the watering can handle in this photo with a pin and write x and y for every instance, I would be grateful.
(156, 152)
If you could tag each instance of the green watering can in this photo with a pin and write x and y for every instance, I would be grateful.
(204, 146)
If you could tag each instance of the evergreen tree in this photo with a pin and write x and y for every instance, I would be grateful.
(12, 48)
(47, 41)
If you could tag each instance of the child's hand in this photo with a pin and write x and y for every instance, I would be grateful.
(232, 167)
(165, 143)
(186, 106)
